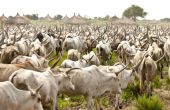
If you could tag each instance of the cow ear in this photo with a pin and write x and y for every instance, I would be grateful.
(68, 76)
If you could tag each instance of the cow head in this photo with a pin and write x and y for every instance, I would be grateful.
(34, 100)
(64, 82)
(9, 53)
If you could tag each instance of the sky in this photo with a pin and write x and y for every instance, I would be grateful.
(156, 9)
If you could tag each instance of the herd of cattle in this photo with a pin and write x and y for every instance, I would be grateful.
(28, 81)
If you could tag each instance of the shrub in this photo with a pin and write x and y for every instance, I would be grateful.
(131, 92)
(167, 80)
(156, 82)
(149, 103)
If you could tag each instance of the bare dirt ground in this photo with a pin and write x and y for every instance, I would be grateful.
(165, 96)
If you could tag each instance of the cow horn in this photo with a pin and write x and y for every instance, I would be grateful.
(92, 42)
(55, 63)
(38, 88)
(49, 54)
(67, 72)
(160, 58)
(29, 87)
(14, 38)
(38, 56)
(51, 60)
(91, 58)
(121, 69)
(60, 33)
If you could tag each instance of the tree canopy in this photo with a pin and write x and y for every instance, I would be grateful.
(32, 17)
(58, 17)
(134, 11)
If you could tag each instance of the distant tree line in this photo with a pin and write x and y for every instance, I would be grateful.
(165, 19)
(32, 17)
(35, 17)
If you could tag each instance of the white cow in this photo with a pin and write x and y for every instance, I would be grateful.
(94, 59)
(77, 43)
(76, 64)
(73, 55)
(15, 99)
(104, 51)
(36, 60)
(92, 83)
(51, 84)
(125, 77)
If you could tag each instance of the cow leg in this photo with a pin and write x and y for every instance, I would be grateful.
(99, 103)
(54, 103)
(149, 88)
(89, 103)
(142, 83)
(56, 51)
(161, 68)
(117, 102)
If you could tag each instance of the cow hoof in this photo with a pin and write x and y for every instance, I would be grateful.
(120, 107)
(101, 108)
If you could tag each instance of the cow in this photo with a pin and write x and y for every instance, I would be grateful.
(104, 51)
(92, 83)
(126, 76)
(15, 99)
(147, 72)
(16, 48)
(73, 54)
(94, 60)
(73, 64)
(8, 54)
(38, 48)
(7, 69)
(77, 43)
(36, 60)
(51, 83)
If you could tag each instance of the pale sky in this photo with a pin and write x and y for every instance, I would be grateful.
(156, 8)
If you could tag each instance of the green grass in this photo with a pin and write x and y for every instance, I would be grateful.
(167, 80)
(113, 59)
(157, 82)
(131, 92)
(149, 103)
(61, 59)
(70, 102)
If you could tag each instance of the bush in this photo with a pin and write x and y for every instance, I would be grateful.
(151, 103)
(167, 80)
(131, 92)
(156, 82)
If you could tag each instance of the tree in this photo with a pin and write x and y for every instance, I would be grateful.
(165, 19)
(58, 17)
(133, 12)
(32, 17)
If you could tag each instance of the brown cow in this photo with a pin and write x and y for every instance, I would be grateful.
(7, 69)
